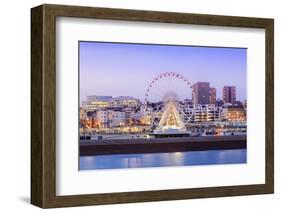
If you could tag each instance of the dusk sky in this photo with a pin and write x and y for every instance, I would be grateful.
(127, 69)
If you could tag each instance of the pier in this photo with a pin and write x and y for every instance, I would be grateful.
(158, 145)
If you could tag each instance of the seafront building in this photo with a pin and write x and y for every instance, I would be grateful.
(234, 113)
(122, 111)
(207, 113)
(213, 95)
(201, 93)
(229, 94)
(108, 111)
(124, 101)
(96, 102)
(110, 118)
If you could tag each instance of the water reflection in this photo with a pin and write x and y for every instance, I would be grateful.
(163, 159)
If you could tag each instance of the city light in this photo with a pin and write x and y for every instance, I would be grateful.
(203, 115)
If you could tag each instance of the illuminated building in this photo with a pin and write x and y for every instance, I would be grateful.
(234, 114)
(110, 118)
(83, 117)
(124, 101)
(207, 113)
(145, 114)
(100, 102)
(229, 94)
(82, 114)
(130, 116)
(95, 105)
(96, 102)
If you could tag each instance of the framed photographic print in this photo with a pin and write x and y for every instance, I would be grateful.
(136, 106)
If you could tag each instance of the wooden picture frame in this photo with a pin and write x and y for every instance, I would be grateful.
(43, 105)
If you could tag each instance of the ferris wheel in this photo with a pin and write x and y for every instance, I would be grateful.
(166, 87)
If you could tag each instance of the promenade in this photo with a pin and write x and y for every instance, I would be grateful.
(158, 145)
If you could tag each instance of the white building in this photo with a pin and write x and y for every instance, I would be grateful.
(124, 101)
(110, 118)
(99, 102)
(188, 113)
(130, 115)
(207, 113)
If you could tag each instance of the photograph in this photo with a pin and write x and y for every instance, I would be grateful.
(157, 105)
(133, 105)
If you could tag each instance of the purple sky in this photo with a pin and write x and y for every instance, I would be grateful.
(127, 69)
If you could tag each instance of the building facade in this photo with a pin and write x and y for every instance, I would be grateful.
(207, 113)
(201, 93)
(229, 94)
(110, 118)
(96, 98)
(213, 95)
(95, 102)
(234, 113)
(124, 101)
